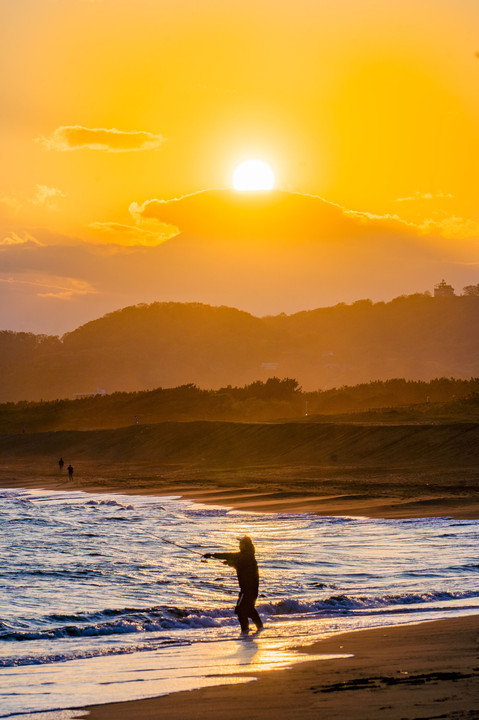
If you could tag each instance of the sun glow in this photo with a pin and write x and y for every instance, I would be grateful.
(253, 175)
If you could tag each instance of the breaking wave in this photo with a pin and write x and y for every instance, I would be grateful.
(160, 619)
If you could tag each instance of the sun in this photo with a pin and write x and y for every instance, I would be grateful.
(253, 175)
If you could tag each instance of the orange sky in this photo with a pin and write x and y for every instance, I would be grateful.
(112, 108)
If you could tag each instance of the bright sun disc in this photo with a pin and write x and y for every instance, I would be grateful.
(253, 175)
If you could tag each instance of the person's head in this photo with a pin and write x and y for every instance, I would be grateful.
(246, 544)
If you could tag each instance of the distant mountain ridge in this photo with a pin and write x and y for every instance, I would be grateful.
(141, 347)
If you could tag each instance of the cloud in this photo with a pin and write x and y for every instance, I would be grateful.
(451, 227)
(61, 288)
(26, 240)
(131, 235)
(62, 292)
(44, 196)
(47, 196)
(11, 204)
(275, 215)
(419, 196)
(76, 137)
(438, 219)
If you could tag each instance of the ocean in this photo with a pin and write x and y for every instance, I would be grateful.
(106, 597)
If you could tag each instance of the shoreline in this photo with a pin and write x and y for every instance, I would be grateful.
(420, 671)
(395, 495)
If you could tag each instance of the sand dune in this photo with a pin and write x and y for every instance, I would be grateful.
(221, 443)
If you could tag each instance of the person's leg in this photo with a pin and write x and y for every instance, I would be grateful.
(247, 609)
(241, 609)
(247, 603)
(243, 618)
(254, 615)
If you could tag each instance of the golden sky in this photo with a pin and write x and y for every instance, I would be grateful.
(123, 120)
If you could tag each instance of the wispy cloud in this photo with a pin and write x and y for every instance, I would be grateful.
(131, 235)
(44, 196)
(438, 218)
(76, 137)
(25, 239)
(52, 287)
(419, 196)
(47, 197)
(11, 203)
(451, 227)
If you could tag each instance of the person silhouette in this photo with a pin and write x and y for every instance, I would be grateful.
(70, 472)
(246, 567)
(61, 463)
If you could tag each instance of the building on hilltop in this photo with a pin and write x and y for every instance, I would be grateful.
(442, 289)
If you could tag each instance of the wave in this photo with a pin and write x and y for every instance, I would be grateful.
(87, 654)
(163, 618)
(109, 503)
(350, 603)
(126, 622)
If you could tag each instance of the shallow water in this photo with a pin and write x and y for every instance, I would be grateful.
(98, 603)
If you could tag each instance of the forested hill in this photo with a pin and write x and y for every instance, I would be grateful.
(416, 337)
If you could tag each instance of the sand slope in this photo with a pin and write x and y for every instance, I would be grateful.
(223, 443)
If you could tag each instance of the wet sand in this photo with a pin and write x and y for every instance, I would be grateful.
(373, 492)
(415, 672)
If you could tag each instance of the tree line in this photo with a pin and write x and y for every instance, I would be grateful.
(261, 401)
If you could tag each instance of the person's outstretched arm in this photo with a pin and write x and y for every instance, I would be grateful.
(229, 558)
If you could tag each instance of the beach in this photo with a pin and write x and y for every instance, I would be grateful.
(410, 671)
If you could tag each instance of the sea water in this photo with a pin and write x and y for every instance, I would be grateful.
(106, 597)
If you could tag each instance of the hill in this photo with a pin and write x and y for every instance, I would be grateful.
(169, 344)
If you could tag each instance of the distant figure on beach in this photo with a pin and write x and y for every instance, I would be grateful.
(61, 463)
(70, 471)
(248, 577)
